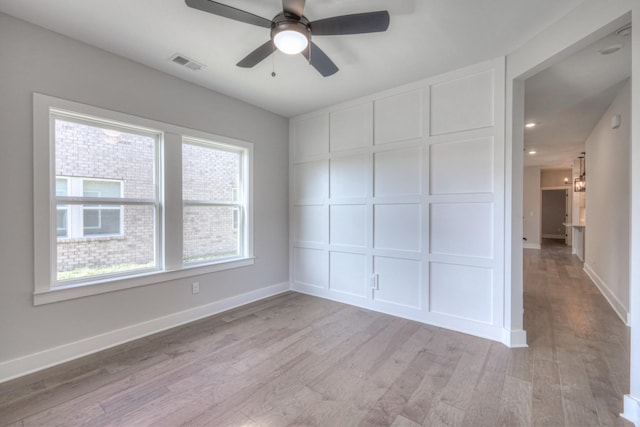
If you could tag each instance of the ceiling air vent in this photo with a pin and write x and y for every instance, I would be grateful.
(186, 62)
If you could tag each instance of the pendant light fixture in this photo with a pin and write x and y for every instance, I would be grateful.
(580, 183)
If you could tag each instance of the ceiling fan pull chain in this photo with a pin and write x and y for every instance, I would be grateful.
(273, 65)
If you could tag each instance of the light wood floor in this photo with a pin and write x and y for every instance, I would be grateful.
(299, 360)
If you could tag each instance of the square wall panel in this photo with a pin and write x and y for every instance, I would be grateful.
(398, 117)
(311, 224)
(348, 273)
(461, 291)
(311, 181)
(463, 104)
(349, 225)
(399, 281)
(463, 229)
(462, 167)
(351, 128)
(310, 267)
(398, 227)
(311, 137)
(349, 176)
(397, 172)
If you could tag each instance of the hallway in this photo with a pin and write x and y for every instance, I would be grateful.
(578, 347)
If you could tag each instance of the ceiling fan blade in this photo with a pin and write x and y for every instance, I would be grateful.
(294, 7)
(228, 12)
(358, 23)
(319, 60)
(257, 55)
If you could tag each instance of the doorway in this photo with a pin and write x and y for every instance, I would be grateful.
(555, 214)
(526, 64)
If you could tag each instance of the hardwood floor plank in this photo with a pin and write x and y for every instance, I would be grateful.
(444, 415)
(401, 421)
(515, 404)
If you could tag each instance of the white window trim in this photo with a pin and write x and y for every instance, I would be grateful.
(170, 263)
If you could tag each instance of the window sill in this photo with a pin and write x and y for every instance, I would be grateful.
(79, 290)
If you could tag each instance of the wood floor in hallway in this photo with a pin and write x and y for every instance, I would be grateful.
(302, 361)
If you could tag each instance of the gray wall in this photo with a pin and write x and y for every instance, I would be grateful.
(531, 207)
(608, 172)
(37, 60)
(555, 177)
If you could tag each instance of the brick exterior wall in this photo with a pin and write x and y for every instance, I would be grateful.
(209, 175)
(89, 152)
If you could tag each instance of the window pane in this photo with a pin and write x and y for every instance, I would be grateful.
(61, 221)
(209, 173)
(101, 188)
(101, 221)
(83, 150)
(62, 188)
(209, 233)
(133, 250)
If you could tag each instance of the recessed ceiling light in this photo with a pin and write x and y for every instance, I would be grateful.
(530, 125)
(611, 49)
(532, 152)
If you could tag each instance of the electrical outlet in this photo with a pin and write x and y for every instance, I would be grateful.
(195, 288)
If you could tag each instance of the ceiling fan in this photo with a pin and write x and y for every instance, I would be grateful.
(291, 31)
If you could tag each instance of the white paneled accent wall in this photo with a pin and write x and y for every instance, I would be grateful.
(397, 201)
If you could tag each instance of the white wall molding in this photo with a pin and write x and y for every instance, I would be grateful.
(631, 409)
(397, 201)
(514, 339)
(54, 356)
(531, 246)
(614, 302)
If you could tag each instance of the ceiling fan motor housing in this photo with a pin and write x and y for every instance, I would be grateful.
(287, 22)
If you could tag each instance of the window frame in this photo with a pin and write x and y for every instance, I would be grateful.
(169, 202)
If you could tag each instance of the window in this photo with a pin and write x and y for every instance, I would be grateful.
(89, 220)
(101, 220)
(93, 160)
(211, 175)
(128, 201)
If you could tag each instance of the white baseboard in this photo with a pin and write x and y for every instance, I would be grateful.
(457, 324)
(631, 409)
(54, 356)
(514, 339)
(614, 302)
(531, 245)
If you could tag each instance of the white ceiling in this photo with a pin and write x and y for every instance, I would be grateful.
(567, 99)
(425, 38)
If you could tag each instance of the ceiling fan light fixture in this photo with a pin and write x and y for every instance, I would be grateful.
(290, 37)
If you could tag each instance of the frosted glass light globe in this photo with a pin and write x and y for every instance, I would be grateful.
(290, 42)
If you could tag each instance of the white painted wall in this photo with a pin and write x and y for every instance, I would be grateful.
(406, 187)
(608, 207)
(52, 64)
(632, 399)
